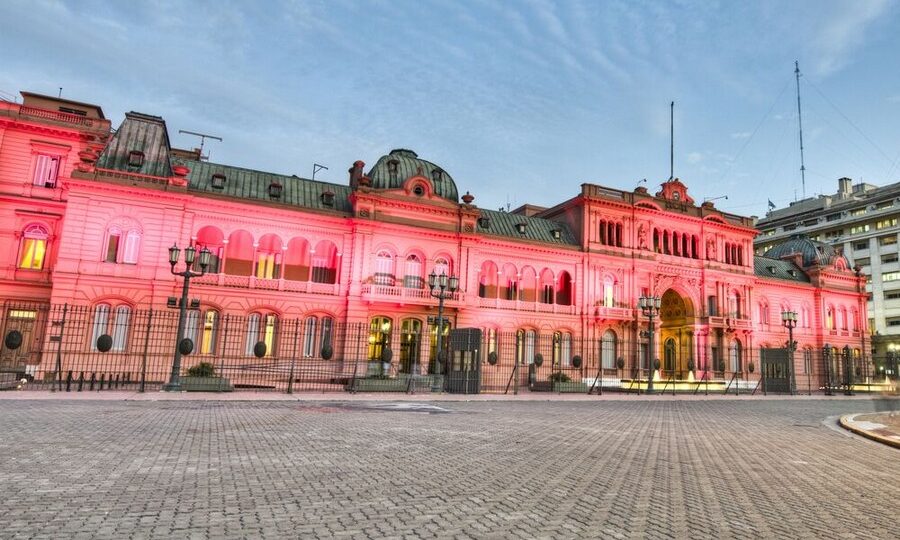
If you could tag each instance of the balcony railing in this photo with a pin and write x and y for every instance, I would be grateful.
(373, 291)
(519, 305)
(730, 322)
(56, 116)
(253, 282)
(616, 313)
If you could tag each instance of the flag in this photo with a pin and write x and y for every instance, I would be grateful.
(771, 205)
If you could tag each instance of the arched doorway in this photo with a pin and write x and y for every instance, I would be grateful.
(410, 336)
(676, 334)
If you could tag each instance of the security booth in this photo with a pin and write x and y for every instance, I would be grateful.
(464, 368)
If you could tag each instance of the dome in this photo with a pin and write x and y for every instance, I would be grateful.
(392, 170)
(814, 252)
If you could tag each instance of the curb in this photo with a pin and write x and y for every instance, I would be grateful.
(846, 422)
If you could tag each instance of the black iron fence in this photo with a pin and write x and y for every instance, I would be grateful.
(83, 348)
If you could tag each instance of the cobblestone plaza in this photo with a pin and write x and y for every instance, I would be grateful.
(641, 468)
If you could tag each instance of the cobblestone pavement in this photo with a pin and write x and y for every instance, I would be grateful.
(613, 469)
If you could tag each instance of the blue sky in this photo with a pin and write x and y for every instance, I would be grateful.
(520, 101)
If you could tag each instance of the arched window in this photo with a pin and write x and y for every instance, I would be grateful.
(807, 361)
(609, 292)
(734, 305)
(412, 276)
(842, 318)
(379, 336)
(239, 254)
(608, 350)
(525, 343)
(202, 328)
(212, 239)
(297, 260)
(829, 318)
(441, 266)
(564, 289)
(317, 336)
(268, 257)
(490, 342)
(487, 280)
(546, 284)
(116, 326)
(325, 262)
(33, 248)
(122, 244)
(384, 268)
(509, 283)
(261, 327)
(410, 341)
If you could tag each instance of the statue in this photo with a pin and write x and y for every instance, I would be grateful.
(642, 236)
(711, 248)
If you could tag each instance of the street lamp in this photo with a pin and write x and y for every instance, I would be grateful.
(789, 321)
(650, 307)
(174, 384)
(441, 287)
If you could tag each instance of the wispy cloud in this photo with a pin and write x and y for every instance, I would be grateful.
(844, 31)
(740, 135)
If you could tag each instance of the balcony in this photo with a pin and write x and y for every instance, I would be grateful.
(728, 323)
(519, 305)
(406, 295)
(252, 282)
(604, 313)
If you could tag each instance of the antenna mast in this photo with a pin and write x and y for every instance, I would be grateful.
(800, 123)
(203, 137)
(672, 140)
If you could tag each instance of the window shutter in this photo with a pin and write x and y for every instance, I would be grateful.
(40, 170)
(112, 246)
(132, 243)
(52, 172)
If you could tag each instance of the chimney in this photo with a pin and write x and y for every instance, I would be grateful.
(845, 187)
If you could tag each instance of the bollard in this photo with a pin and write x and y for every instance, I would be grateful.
(117, 381)
(93, 380)
(69, 381)
(81, 382)
(102, 378)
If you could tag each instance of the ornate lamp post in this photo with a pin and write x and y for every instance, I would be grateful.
(174, 384)
(441, 287)
(650, 307)
(789, 321)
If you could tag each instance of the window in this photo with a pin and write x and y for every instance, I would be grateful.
(831, 235)
(608, 350)
(562, 349)
(33, 248)
(807, 361)
(135, 158)
(268, 265)
(883, 205)
(858, 229)
(379, 336)
(833, 217)
(763, 314)
(736, 356)
(122, 245)
(887, 240)
(317, 335)
(609, 298)
(202, 329)
(890, 276)
(889, 258)
(412, 278)
(115, 326)
(861, 245)
(46, 171)
(261, 328)
(858, 212)
(734, 305)
(441, 266)
(864, 261)
(894, 321)
(711, 306)
(384, 269)
(892, 295)
(885, 223)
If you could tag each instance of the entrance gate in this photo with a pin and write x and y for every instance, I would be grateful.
(776, 370)
(464, 368)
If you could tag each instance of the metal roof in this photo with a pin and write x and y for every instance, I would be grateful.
(813, 251)
(778, 269)
(251, 184)
(408, 165)
(537, 229)
(142, 133)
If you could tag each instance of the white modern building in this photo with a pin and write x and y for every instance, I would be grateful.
(862, 221)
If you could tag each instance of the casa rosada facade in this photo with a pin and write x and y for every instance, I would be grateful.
(89, 213)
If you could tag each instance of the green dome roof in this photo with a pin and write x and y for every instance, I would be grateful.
(813, 251)
(392, 170)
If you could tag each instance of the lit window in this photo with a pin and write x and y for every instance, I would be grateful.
(202, 330)
(885, 223)
(33, 248)
(887, 240)
(608, 293)
(46, 171)
(857, 229)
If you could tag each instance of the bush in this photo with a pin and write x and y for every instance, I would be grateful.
(559, 377)
(203, 369)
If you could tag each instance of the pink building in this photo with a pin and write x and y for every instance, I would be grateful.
(88, 215)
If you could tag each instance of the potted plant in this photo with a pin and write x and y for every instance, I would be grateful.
(202, 378)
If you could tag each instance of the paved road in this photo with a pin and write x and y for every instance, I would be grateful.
(614, 469)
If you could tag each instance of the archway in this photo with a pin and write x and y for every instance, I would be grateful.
(676, 334)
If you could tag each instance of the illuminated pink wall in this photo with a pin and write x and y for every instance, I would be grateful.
(325, 264)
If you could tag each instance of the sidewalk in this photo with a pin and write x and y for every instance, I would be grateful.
(883, 427)
(120, 395)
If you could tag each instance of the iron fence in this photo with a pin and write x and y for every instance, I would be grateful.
(82, 348)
